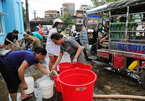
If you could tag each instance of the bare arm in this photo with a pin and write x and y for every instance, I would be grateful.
(21, 70)
(42, 69)
(17, 43)
(33, 41)
(102, 40)
(26, 45)
(57, 61)
(8, 40)
(79, 50)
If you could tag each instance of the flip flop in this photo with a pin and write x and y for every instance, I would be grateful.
(29, 96)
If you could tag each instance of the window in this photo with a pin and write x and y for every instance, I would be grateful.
(1, 29)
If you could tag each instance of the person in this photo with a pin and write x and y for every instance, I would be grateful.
(70, 46)
(11, 38)
(106, 26)
(25, 31)
(14, 65)
(41, 30)
(34, 42)
(140, 30)
(53, 50)
(37, 35)
(102, 36)
(83, 35)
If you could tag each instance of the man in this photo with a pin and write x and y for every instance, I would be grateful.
(13, 67)
(82, 35)
(140, 29)
(37, 35)
(11, 38)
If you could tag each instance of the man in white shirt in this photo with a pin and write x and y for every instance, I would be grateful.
(140, 29)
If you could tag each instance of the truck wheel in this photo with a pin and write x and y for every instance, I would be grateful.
(142, 78)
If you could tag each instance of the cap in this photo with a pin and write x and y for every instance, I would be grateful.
(57, 20)
(26, 35)
(79, 23)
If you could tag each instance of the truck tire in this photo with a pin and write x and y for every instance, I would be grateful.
(142, 78)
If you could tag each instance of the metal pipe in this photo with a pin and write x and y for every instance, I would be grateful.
(118, 97)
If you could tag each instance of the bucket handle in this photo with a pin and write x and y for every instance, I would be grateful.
(53, 72)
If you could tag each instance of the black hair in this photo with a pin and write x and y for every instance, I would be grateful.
(41, 25)
(28, 32)
(40, 50)
(55, 25)
(15, 31)
(56, 36)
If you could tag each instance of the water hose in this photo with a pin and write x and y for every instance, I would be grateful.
(118, 97)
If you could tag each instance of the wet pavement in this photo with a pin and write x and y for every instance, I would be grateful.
(108, 82)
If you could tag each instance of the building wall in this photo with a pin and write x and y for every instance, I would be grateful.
(13, 19)
(51, 15)
(68, 8)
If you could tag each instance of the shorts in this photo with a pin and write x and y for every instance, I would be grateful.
(49, 54)
(11, 78)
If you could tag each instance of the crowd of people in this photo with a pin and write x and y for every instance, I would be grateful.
(16, 62)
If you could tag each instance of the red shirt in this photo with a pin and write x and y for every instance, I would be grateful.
(41, 32)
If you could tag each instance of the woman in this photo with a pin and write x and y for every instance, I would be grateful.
(53, 50)
(11, 38)
(70, 46)
(34, 42)
(13, 67)
(41, 30)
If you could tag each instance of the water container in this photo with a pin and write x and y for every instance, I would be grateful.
(133, 65)
(118, 61)
(73, 66)
(81, 66)
(46, 87)
(77, 84)
(64, 66)
(57, 84)
(30, 84)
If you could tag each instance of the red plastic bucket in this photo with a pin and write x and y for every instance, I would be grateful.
(77, 84)
(89, 67)
(81, 66)
(57, 84)
(64, 66)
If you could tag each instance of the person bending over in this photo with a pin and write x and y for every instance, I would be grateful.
(13, 67)
(70, 46)
(11, 38)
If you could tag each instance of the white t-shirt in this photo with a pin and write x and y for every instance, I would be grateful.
(51, 47)
(139, 29)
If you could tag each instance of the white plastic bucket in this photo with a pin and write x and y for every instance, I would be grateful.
(30, 84)
(46, 87)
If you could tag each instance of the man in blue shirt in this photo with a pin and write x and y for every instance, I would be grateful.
(13, 67)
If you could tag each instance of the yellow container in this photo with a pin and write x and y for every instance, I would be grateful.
(133, 65)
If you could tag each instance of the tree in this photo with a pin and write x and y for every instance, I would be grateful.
(67, 20)
(97, 3)
(24, 14)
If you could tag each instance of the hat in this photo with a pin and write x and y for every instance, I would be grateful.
(79, 24)
(57, 20)
(26, 35)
